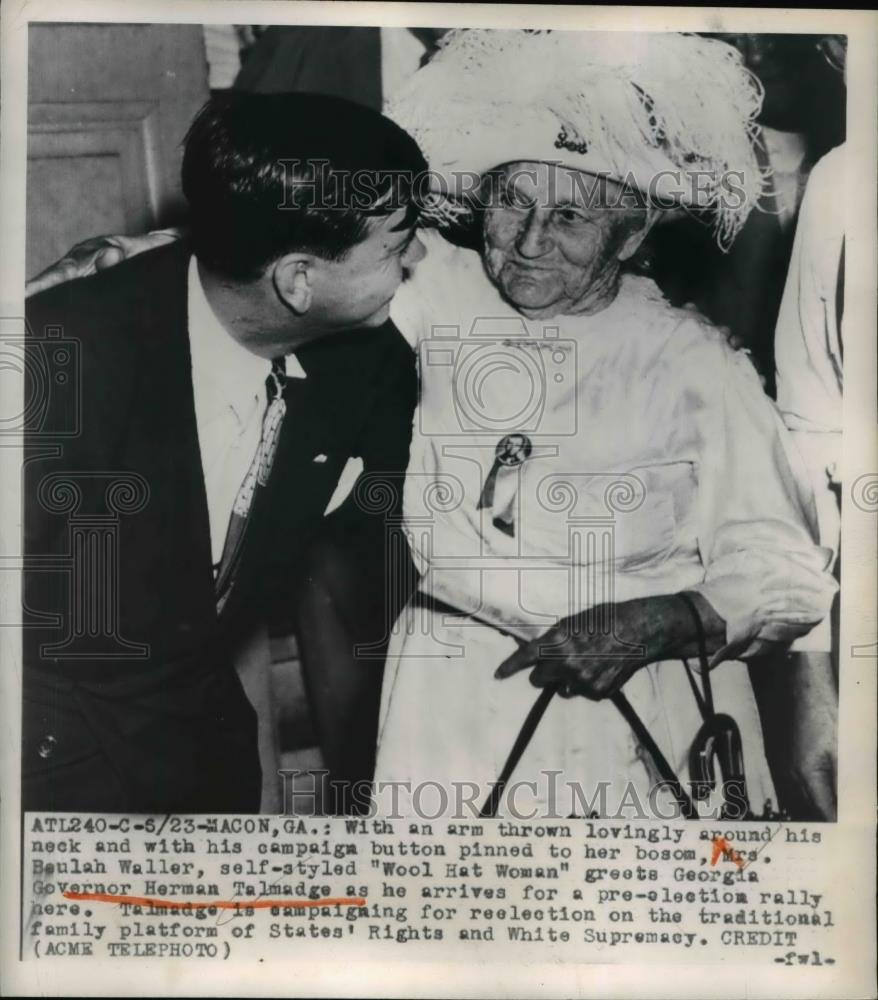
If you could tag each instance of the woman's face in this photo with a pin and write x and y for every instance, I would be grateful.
(554, 237)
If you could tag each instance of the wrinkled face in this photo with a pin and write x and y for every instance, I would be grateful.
(357, 290)
(554, 237)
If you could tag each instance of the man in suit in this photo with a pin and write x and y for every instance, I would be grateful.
(224, 382)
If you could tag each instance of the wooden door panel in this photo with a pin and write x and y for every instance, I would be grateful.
(109, 106)
(92, 168)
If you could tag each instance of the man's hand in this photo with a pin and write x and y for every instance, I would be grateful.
(95, 255)
(594, 653)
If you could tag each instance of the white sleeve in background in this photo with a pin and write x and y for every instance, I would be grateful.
(807, 338)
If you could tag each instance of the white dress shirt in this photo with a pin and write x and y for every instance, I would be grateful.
(230, 401)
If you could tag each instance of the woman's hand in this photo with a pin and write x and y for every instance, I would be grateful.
(594, 653)
(97, 254)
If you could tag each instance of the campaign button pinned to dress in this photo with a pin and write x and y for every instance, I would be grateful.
(513, 449)
(47, 746)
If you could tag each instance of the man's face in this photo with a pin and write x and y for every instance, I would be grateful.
(554, 236)
(357, 290)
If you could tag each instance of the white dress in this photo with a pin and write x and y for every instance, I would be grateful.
(656, 465)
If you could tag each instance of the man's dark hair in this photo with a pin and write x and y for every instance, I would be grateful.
(268, 174)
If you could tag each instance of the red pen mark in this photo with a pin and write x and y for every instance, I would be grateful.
(722, 847)
(221, 904)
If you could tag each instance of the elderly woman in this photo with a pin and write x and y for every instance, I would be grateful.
(598, 486)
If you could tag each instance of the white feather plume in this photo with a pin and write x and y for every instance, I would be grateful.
(643, 99)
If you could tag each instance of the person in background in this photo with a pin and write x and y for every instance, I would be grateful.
(802, 117)
(364, 65)
(808, 340)
(809, 349)
(808, 337)
(226, 380)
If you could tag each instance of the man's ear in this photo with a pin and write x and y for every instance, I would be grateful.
(292, 278)
(635, 238)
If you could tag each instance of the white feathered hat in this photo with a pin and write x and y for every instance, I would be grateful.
(672, 115)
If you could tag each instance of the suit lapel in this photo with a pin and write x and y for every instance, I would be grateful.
(324, 413)
(162, 440)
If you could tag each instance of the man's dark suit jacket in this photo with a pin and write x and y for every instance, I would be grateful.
(169, 730)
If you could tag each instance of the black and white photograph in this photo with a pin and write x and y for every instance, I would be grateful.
(586, 488)
(441, 425)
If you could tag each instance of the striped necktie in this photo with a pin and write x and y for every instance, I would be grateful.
(256, 478)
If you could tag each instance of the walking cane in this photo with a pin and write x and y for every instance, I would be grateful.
(718, 736)
(532, 720)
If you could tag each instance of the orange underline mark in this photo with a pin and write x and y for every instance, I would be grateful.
(220, 904)
(722, 847)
